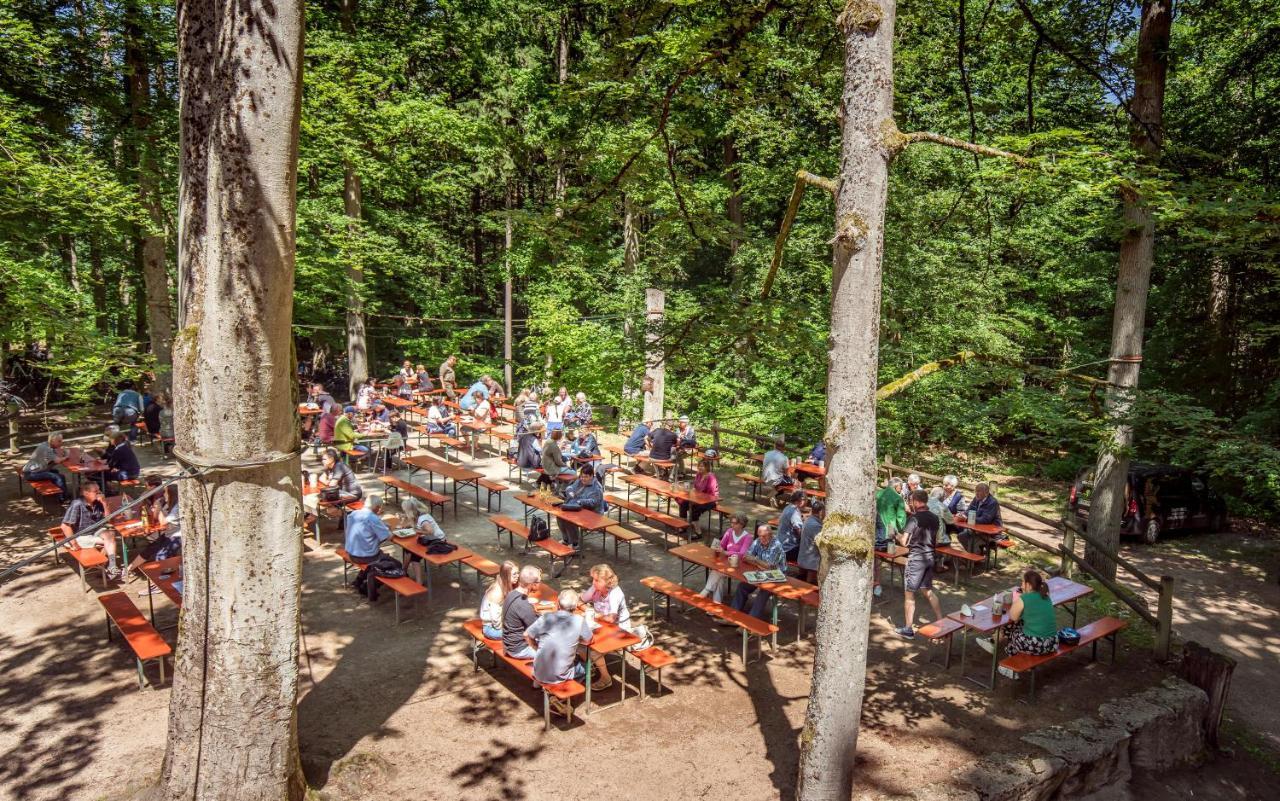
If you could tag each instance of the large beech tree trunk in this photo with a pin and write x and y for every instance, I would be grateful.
(830, 734)
(357, 339)
(232, 725)
(1137, 249)
(155, 272)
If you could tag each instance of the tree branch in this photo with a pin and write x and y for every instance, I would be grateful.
(804, 179)
(897, 385)
(675, 184)
(960, 144)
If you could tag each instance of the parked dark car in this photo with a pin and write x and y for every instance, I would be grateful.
(1158, 498)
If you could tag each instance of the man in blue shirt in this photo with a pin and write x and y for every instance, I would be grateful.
(468, 401)
(585, 493)
(635, 442)
(767, 554)
(365, 533)
(128, 409)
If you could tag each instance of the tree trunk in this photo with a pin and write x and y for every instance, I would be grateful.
(99, 286)
(232, 725)
(630, 260)
(655, 364)
(155, 272)
(357, 341)
(70, 260)
(506, 302)
(1137, 248)
(733, 207)
(562, 73)
(830, 734)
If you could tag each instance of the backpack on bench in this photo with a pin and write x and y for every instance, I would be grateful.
(539, 530)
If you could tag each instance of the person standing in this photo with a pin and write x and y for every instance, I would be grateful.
(42, 466)
(448, 379)
(920, 536)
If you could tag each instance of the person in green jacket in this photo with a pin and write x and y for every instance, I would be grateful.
(891, 517)
(344, 433)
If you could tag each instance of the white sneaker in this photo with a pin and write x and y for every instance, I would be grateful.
(985, 644)
(1008, 674)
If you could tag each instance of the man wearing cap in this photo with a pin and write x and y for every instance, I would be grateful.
(686, 437)
(344, 432)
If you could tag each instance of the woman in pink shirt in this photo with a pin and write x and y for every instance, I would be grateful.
(705, 481)
(736, 541)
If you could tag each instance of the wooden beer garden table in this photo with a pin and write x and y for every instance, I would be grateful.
(396, 402)
(156, 575)
(459, 475)
(665, 489)
(1062, 591)
(588, 521)
(409, 544)
(989, 532)
(305, 409)
(606, 638)
(696, 555)
(80, 464)
(478, 427)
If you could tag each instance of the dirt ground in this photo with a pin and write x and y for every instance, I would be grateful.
(398, 711)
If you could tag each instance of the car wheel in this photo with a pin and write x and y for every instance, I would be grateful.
(1151, 531)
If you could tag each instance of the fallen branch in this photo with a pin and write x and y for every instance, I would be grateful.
(898, 384)
(960, 144)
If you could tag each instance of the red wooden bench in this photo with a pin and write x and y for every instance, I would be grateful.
(1104, 628)
(565, 690)
(514, 528)
(141, 637)
(939, 631)
(85, 558)
(434, 499)
(749, 625)
(40, 488)
(676, 525)
(655, 659)
(493, 488)
(402, 587)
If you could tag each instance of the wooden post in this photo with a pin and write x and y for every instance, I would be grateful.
(1164, 619)
(1068, 546)
(655, 364)
(715, 435)
(1211, 672)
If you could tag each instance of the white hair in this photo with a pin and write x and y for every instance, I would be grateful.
(914, 478)
(56, 435)
(569, 600)
(374, 503)
(950, 481)
(895, 482)
(582, 396)
(530, 575)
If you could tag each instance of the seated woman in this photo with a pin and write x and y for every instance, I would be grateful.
(424, 380)
(735, 542)
(610, 605)
(1034, 629)
(491, 602)
(440, 419)
(705, 481)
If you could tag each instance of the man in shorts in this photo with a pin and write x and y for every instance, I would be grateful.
(919, 538)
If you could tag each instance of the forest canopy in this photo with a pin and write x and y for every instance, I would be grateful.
(631, 145)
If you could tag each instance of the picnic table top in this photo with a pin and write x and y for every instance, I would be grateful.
(606, 637)
(133, 528)
(305, 409)
(667, 488)
(703, 556)
(398, 402)
(988, 529)
(1061, 591)
(172, 566)
(410, 543)
(433, 465)
(587, 519)
(86, 465)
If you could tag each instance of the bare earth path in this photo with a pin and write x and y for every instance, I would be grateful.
(1226, 597)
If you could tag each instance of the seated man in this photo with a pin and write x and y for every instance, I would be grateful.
(818, 455)
(122, 462)
(344, 432)
(555, 640)
(766, 553)
(774, 469)
(338, 475)
(518, 615)
(380, 413)
(42, 466)
(986, 512)
(686, 436)
(636, 442)
(363, 542)
(469, 399)
(663, 443)
(440, 419)
(82, 514)
(585, 493)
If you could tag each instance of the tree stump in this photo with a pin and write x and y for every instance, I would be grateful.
(1211, 672)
